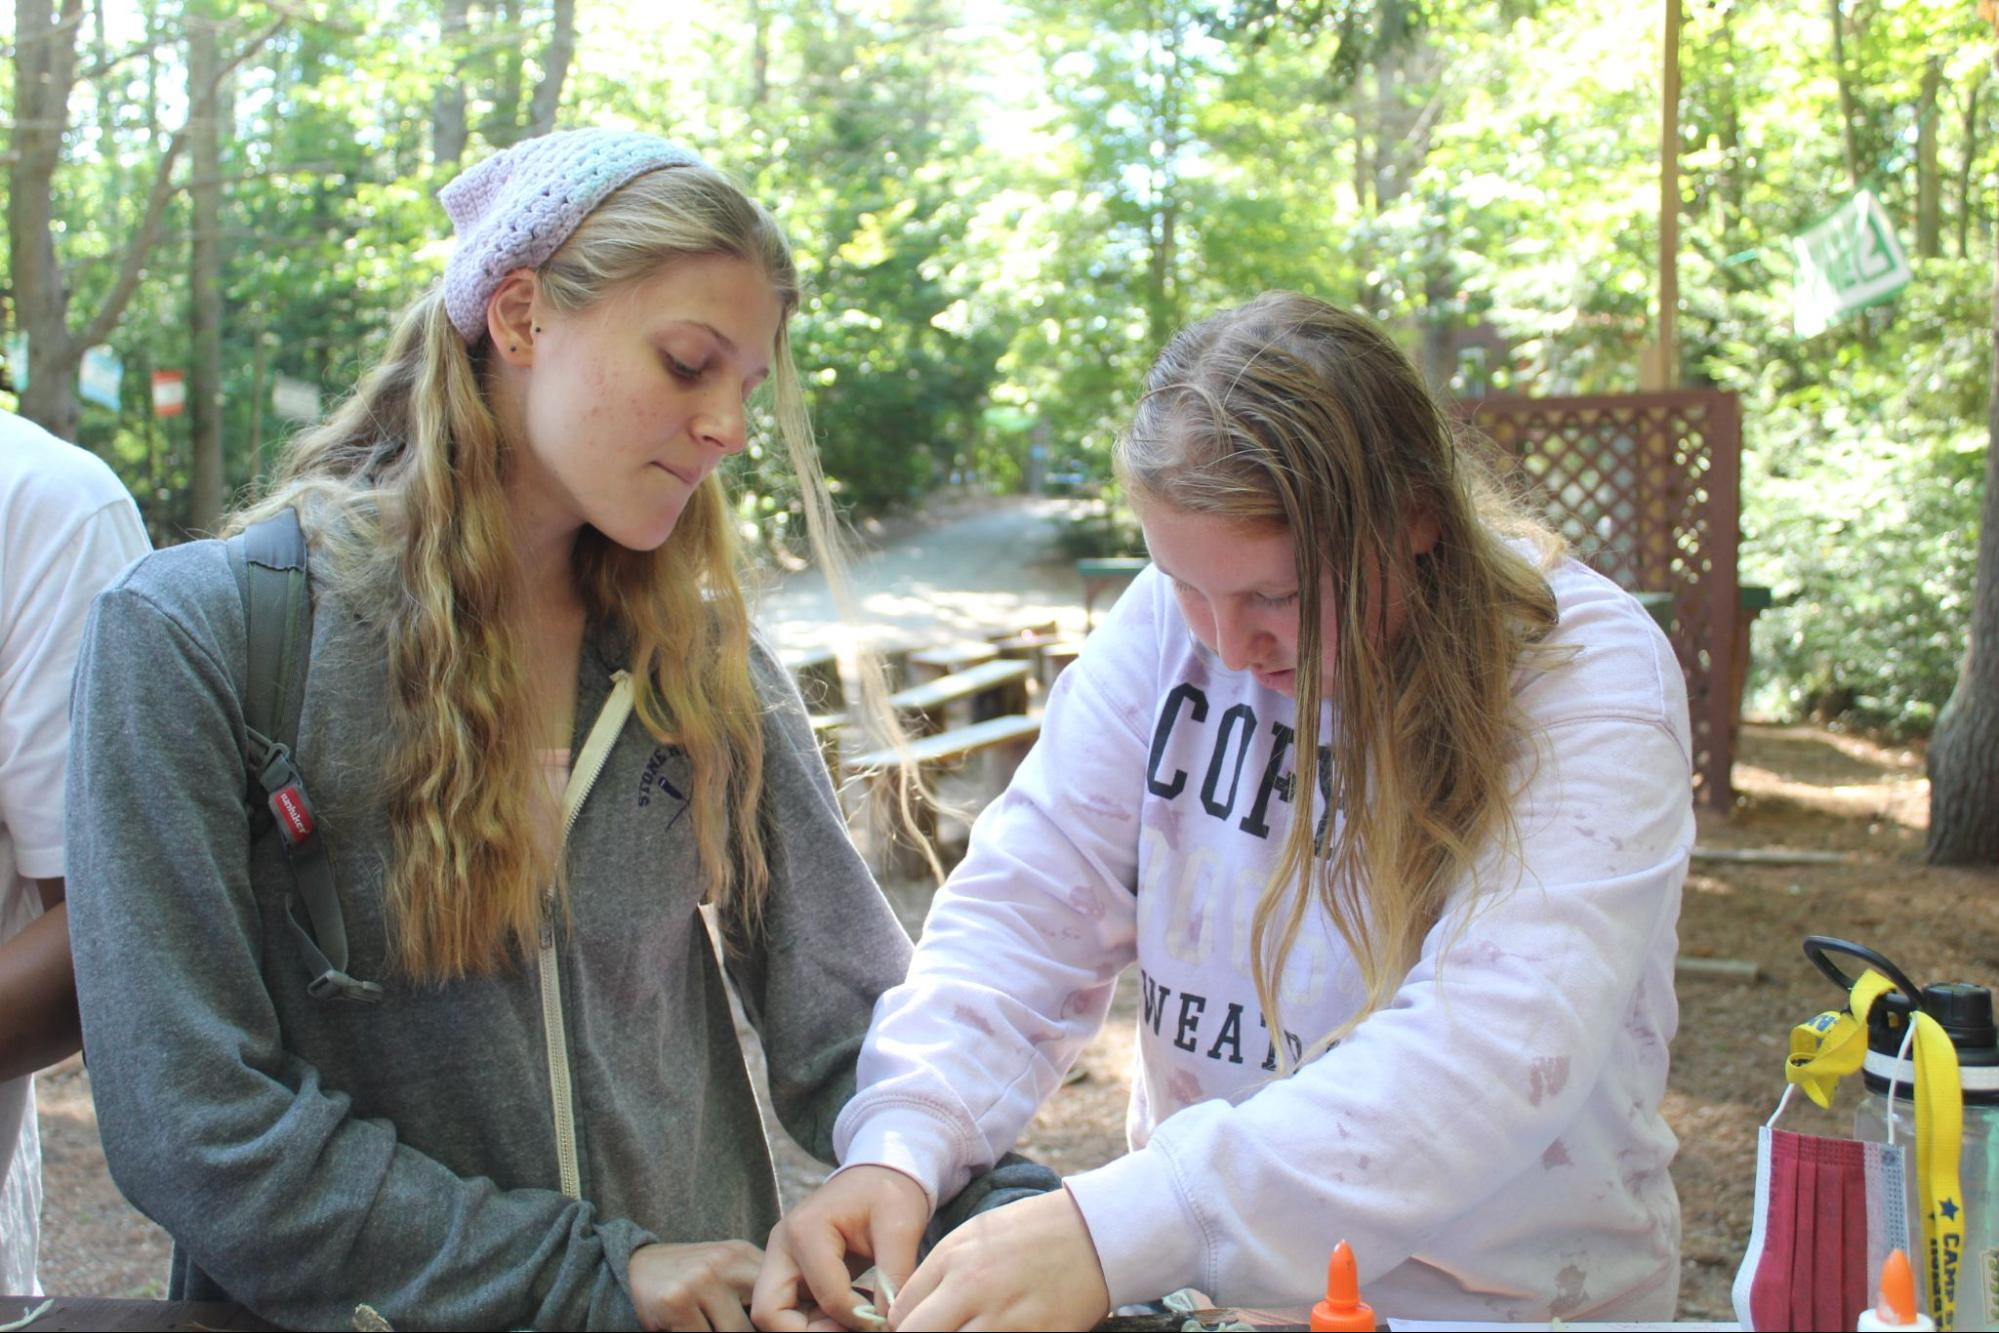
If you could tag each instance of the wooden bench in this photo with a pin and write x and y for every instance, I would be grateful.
(895, 665)
(934, 662)
(1055, 657)
(1006, 739)
(817, 674)
(1046, 629)
(1027, 646)
(98, 1312)
(1100, 574)
(995, 688)
(959, 743)
(1752, 600)
(826, 729)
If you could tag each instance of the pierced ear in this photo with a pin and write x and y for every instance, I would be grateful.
(1425, 528)
(510, 317)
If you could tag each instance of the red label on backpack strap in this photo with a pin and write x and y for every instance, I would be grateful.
(294, 816)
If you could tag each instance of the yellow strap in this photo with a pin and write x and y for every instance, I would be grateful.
(1833, 1045)
(1939, 1134)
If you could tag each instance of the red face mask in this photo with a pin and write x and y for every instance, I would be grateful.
(1828, 1212)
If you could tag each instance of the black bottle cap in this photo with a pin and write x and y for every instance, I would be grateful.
(1965, 1012)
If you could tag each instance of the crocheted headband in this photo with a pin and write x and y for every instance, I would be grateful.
(517, 207)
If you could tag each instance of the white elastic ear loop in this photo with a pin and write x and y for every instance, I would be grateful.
(1782, 1102)
(1895, 1074)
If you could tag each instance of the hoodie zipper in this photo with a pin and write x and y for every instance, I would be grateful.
(582, 774)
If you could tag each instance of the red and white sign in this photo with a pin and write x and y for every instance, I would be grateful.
(169, 393)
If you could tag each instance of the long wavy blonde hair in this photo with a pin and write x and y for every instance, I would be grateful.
(1288, 413)
(403, 494)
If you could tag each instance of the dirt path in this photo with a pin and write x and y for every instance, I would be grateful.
(961, 571)
(1802, 788)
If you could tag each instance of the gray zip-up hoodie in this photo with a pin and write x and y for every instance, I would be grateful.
(308, 1155)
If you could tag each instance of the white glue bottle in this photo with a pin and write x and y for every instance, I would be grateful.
(1896, 1308)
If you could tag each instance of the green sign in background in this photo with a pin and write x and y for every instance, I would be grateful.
(1848, 261)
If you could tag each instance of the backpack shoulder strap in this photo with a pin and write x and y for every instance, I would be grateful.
(269, 559)
(277, 615)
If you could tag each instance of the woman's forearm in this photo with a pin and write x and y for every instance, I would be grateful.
(38, 997)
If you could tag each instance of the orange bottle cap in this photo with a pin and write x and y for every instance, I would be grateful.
(1898, 1291)
(1342, 1311)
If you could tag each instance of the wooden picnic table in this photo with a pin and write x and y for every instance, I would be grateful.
(931, 663)
(1099, 574)
(92, 1312)
(1752, 600)
(1006, 738)
(995, 688)
(817, 674)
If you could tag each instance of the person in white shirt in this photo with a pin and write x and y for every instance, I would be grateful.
(1416, 994)
(67, 527)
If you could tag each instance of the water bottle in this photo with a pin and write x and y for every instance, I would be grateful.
(1965, 1013)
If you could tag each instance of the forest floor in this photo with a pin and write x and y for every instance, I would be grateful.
(1805, 789)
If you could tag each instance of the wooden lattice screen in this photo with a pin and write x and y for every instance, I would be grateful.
(1647, 489)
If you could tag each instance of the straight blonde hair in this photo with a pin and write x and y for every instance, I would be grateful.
(403, 489)
(1289, 413)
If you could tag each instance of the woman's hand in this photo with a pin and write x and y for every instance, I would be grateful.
(701, 1286)
(864, 1216)
(1029, 1264)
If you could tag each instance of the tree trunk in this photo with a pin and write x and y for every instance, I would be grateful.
(1363, 170)
(153, 76)
(1167, 50)
(1929, 184)
(447, 103)
(1390, 120)
(759, 54)
(1730, 130)
(554, 69)
(1849, 130)
(1439, 321)
(1965, 197)
(1964, 750)
(259, 385)
(204, 398)
(109, 99)
(504, 127)
(44, 72)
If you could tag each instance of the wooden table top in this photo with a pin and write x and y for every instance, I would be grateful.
(92, 1312)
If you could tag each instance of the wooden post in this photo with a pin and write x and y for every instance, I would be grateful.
(1659, 369)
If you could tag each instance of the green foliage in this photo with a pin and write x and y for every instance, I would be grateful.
(1101, 527)
(1863, 476)
(1000, 215)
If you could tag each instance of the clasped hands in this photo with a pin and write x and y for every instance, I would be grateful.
(1029, 1264)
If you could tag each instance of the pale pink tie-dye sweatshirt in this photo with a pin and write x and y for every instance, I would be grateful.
(1489, 1141)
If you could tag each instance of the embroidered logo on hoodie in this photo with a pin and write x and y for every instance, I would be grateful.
(657, 786)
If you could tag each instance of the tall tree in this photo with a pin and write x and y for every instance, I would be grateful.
(555, 60)
(447, 124)
(204, 381)
(1929, 182)
(1968, 162)
(1849, 114)
(1964, 750)
(45, 75)
(505, 53)
(1166, 83)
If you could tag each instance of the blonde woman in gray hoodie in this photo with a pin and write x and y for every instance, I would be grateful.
(538, 736)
